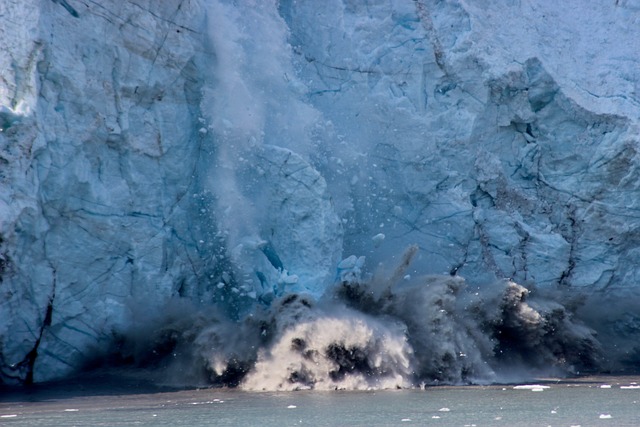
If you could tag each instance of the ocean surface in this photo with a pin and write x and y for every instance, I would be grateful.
(593, 401)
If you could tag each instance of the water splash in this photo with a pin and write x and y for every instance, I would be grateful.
(381, 332)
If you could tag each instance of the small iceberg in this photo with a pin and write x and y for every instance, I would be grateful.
(532, 387)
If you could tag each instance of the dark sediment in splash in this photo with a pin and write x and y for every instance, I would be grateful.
(386, 331)
(485, 335)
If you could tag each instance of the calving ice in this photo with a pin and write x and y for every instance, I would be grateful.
(283, 195)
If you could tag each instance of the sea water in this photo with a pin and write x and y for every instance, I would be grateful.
(598, 401)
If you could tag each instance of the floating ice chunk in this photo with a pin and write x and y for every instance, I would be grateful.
(605, 386)
(630, 387)
(377, 239)
(444, 409)
(9, 416)
(605, 416)
(532, 387)
(291, 407)
(405, 420)
(71, 410)
(436, 417)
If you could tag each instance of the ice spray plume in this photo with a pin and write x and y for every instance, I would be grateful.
(266, 195)
(382, 332)
(327, 347)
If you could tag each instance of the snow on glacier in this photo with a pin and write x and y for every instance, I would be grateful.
(172, 175)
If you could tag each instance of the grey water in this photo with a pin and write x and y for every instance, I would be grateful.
(596, 401)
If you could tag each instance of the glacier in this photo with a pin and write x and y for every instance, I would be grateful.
(337, 194)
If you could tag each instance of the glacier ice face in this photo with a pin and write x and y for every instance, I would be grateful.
(94, 205)
(469, 157)
(278, 220)
(229, 154)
